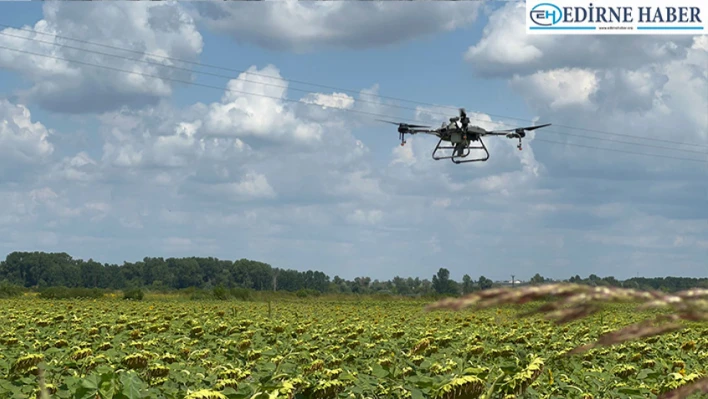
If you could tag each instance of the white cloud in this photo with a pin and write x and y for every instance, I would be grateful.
(663, 101)
(161, 28)
(560, 88)
(370, 217)
(361, 184)
(304, 26)
(263, 114)
(648, 86)
(205, 148)
(252, 186)
(334, 100)
(23, 143)
(404, 155)
(80, 168)
(266, 178)
(442, 202)
(505, 48)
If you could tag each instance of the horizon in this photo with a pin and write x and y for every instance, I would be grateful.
(474, 276)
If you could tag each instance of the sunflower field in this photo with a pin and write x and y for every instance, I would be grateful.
(111, 348)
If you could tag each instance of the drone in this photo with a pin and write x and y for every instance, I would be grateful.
(462, 137)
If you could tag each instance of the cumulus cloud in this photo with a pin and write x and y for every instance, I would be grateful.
(659, 101)
(80, 169)
(335, 100)
(261, 113)
(650, 87)
(505, 48)
(213, 149)
(302, 26)
(163, 137)
(263, 177)
(252, 186)
(160, 28)
(162, 166)
(174, 153)
(24, 143)
(560, 88)
(360, 216)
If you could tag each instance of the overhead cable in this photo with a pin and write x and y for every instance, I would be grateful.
(152, 55)
(377, 116)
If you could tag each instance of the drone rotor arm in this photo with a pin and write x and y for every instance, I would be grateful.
(417, 130)
(408, 125)
(518, 129)
(405, 128)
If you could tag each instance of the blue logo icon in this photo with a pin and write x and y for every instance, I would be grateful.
(546, 14)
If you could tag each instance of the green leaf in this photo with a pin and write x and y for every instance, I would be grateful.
(416, 393)
(422, 382)
(107, 387)
(85, 393)
(379, 371)
(88, 387)
(91, 382)
(131, 385)
(5, 386)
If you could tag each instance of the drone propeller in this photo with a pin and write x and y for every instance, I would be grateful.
(521, 131)
(535, 127)
(404, 128)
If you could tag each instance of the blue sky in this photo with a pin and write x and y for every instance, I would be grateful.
(117, 169)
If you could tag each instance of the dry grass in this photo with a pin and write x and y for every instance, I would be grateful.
(569, 302)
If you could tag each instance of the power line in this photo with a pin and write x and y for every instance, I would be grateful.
(319, 85)
(622, 151)
(300, 101)
(311, 92)
(219, 67)
(188, 82)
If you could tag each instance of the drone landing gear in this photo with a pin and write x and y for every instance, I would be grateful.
(465, 151)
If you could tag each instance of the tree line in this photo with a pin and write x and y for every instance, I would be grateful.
(42, 269)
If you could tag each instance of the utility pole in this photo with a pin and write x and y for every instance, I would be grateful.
(275, 281)
(512, 281)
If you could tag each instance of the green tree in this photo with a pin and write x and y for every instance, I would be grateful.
(467, 284)
(442, 284)
(484, 283)
(401, 286)
(537, 279)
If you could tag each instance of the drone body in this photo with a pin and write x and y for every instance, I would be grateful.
(462, 136)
